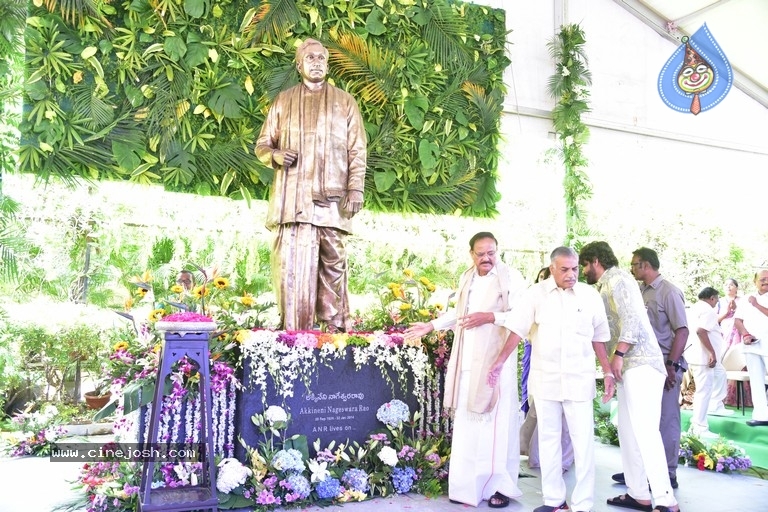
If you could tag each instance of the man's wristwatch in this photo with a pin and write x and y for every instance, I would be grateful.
(672, 363)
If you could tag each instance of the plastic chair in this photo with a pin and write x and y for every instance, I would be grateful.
(734, 362)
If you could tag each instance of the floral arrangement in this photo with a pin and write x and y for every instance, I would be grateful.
(403, 302)
(34, 434)
(722, 455)
(284, 358)
(280, 471)
(394, 459)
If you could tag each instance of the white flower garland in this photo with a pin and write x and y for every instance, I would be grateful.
(266, 356)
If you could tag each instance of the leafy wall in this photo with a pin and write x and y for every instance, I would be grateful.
(174, 92)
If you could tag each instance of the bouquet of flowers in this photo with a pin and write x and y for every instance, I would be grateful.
(35, 433)
(722, 455)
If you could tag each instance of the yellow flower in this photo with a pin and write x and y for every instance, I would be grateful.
(408, 272)
(201, 291)
(405, 306)
(146, 277)
(431, 287)
(156, 314)
(221, 282)
(142, 292)
(156, 348)
(340, 340)
(177, 288)
(439, 307)
(128, 304)
(392, 286)
(424, 312)
(258, 465)
(426, 282)
(247, 300)
(241, 335)
(120, 345)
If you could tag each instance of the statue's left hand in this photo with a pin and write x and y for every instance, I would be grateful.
(354, 201)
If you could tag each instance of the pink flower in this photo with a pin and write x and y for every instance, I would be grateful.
(187, 316)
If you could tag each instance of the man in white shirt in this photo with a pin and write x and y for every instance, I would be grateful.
(751, 320)
(485, 448)
(704, 357)
(566, 323)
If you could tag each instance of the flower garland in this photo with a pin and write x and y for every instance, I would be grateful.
(287, 357)
(569, 87)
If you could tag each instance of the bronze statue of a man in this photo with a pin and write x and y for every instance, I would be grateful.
(314, 138)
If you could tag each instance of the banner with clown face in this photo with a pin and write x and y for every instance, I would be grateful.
(697, 76)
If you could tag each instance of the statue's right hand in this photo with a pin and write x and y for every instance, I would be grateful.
(284, 157)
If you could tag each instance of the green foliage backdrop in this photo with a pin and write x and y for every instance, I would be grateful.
(174, 93)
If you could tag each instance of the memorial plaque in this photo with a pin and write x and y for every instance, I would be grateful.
(340, 404)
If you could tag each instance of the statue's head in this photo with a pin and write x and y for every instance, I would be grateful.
(312, 61)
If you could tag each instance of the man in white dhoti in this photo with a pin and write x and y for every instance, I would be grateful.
(566, 323)
(485, 449)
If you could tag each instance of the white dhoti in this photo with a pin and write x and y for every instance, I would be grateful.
(485, 451)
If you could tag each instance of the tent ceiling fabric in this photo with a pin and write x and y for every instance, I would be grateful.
(737, 25)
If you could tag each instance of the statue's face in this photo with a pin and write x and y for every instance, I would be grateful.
(314, 64)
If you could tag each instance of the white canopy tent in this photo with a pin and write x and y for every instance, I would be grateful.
(653, 170)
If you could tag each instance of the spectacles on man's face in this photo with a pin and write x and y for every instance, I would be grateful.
(637, 264)
(481, 255)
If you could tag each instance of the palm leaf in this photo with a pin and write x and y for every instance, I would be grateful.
(368, 69)
(13, 15)
(77, 12)
(444, 197)
(86, 104)
(487, 107)
(272, 21)
(226, 157)
(444, 31)
(278, 79)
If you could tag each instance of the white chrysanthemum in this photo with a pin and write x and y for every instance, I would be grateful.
(231, 474)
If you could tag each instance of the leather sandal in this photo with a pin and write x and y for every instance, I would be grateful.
(627, 501)
(498, 500)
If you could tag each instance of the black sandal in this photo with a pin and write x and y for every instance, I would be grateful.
(498, 500)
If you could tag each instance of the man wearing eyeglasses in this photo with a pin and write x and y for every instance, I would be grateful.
(485, 449)
(665, 306)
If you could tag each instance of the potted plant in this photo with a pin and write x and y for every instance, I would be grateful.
(100, 396)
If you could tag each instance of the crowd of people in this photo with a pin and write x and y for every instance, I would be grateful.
(629, 328)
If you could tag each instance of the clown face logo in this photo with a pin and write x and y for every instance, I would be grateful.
(696, 78)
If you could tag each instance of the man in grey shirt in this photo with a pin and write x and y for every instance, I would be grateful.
(665, 306)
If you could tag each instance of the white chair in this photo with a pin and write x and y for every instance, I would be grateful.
(733, 361)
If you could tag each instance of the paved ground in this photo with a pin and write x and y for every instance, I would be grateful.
(33, 484)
